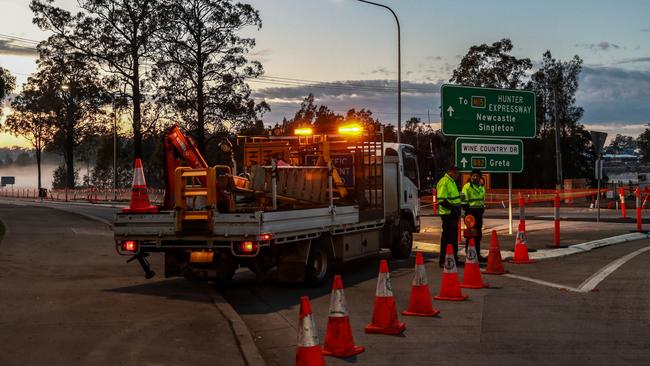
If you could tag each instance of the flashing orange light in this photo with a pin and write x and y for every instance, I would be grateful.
(353, 129)
(304, 131)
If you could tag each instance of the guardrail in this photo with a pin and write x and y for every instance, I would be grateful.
(92, 195)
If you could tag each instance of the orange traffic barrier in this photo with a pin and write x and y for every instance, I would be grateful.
(384, 315)
(139, 195)
(521, 250)
(420, 304)
(308, 352)
(472, 274)
(495, 263)
(338, 336)
(450, 288)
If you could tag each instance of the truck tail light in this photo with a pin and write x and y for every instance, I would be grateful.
(266, 237)
(129, 246)
(248, 247)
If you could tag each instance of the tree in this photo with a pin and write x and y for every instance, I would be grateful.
(7, 84)
(75, 97)
(117, 35)
(32, 119)
(555, 84)
(491, 66)
(643, 142)
(203, 68)
(621, 145)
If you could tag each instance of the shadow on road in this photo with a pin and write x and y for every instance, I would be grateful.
(173, 289)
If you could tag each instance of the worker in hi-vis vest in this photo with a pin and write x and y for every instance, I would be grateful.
(473, 197)
(449, 203)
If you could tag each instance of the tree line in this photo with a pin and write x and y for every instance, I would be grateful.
(149, 63)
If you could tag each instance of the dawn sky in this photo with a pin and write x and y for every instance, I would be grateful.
(306, 45)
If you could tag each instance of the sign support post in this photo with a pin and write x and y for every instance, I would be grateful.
(510, 203)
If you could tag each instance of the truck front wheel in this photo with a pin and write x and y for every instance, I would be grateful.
(401, 248)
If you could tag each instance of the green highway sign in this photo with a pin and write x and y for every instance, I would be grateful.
(490, 155)
(469, 111)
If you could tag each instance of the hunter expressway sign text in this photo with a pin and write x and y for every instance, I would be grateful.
(469, 111)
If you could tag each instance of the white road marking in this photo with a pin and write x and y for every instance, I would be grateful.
(543, 283)
(589, 284)
(599, 276)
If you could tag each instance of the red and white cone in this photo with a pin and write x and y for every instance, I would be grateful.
(450, 287)
(420, 304)
(472, 275)
(521, 250)
(139, 195)
(338, 336)
(384, 315)
(308, 352)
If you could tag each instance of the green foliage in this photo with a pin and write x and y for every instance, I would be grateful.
(7, 83)
(643, 143)
(491, 66)
(61, 180)
(621, 144)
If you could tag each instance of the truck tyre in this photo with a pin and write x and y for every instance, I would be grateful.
(402, 246)
(319, 264)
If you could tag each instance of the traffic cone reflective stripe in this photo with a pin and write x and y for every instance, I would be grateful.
(495, 263)
(521, 250)
(472, 275)
(308, 352)
(384, 316)
(139, 195)
(450, 287)
(338, 336)
(420, 304)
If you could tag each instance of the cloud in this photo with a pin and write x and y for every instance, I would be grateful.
(433, 58)
(602, 46)
(645, 30)
(8, 47)
(380, 96)
(633, 60)
(614, 95)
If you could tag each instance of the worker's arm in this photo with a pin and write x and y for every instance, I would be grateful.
(443, 195)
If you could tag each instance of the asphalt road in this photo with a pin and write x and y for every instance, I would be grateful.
(516, 322)
(66, 298)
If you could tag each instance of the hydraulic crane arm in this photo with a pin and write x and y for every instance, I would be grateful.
(179, 150)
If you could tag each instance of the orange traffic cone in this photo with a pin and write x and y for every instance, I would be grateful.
(521, 251)
(338, 336)
(450, 288)
(472, 275)
(139, 196)
(420, 304)
(308, 352)
(495, 263)
(384, 315)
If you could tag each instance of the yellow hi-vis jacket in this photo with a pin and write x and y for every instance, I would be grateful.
(474, 195)
(447, 190)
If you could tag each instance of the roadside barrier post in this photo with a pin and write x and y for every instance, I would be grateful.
(435, 201)
(639, 224)
(522, 211)
(556, 217)
(621, 194)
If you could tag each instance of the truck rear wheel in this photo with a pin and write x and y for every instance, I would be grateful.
(401, 248)
(319, 264)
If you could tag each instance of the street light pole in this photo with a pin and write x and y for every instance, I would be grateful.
(399, 68)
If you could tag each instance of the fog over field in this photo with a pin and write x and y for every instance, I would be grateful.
(27, 175)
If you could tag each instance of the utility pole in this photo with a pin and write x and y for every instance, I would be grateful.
(399, 69)
(558, 150)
